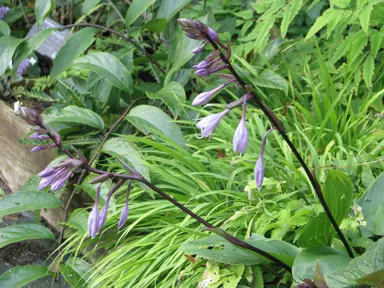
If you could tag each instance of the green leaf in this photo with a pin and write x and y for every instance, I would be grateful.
(129, 153)
(74, 114)
(370, 202)
(168, 9)
(4, 28)
(218, 249)
(88, 5)
(8, 45)
(357, 44)
(156, 25)
(27, 47)
(321, 21)
(42, 9)
(330, 260)
(290, 13)
(270, 79)
(172, 94)
(264, 28)
(19, 276)
(20, 232)
(136, 9)
(375, 279)
(73, 48)
(107, 66)
(368, 70)
(375, 39)
(76, 272)
(150, 119)
(364, 17)
(24, 201)
(338, 194)
(79, 220)
(340, 3)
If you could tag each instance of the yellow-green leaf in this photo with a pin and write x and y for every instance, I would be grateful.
(368, 70)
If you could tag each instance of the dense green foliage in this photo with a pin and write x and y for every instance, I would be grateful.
(317, 64)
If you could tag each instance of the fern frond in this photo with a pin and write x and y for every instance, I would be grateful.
(375, 39)
(83, 140)
(290, 13)
(357, 44)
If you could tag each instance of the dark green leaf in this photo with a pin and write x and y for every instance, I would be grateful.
(73, 48)
(24, 201)
(4, 29)
(156, 25)
(42, 9)
(79, 115)
(368, 70)
(88, 5)
(79, 220)
(19, 276)
(168, 9)
(21, 232)
(76, 272)
(8, 45)
(136, 9)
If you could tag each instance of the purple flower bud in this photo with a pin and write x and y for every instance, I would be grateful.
(200, 48)
(209, 123)
(240, 138)
(204, 97)
(3, 11)
(104, 213)
(30, 116)
(43, 147)
(23, 66)
(93, 219)
(38, 136)
(202, 64)
(125, 211)
(259, 168)
(40, 130)
(46, 172)
(100, 178)
(213, 34)
(202, 72)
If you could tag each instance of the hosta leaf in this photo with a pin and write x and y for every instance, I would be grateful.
(108, 66)
(74, 114)
(375, 39)
(172, 94)
(364, 17)
(76, 272)
(4, 29)
(136, 9)
(19, 276)
(168, 9)
(368, 70)
(8, 45)
(156, 25)
(88, 5)
(149, 119)
(21, 232)
(73, 48)
(42, 9)
(290, 13)
(24, 201)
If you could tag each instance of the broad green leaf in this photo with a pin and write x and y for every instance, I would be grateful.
(24, 201)
(42, 9)
(168, 9)
(74, 114)
(8, 45)
(27, 47)
(218, 249)
(364, 17)
(136, 9)
(4, 29)
(368, 70)
(321, 21)
(19, 276)
(73, 48)
(375, 39)
(156, 25)
(129, 153)
(149, 119)
(338, 194)
(20, 232)
(329, 259)
(375, 279)
(79, 220)
(76, 272)
(172, 94)
(107, 66)
(88, 5)
(272, 80)
(370, 202)
(290, 13)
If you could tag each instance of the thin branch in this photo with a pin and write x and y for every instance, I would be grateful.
(125, 37)
(277, 124)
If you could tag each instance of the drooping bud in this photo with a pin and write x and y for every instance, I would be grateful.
(100, 179)
(30, 116)
(43, 147)
(208, 124)
(125, 211)
(93, 219)
(259, 168)
(37, 136)
(204, 97)
(240, 138)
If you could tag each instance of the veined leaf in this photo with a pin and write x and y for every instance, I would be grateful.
(375, 39)
(76, 271)
(79, 115)
(357, 44)
(20, 232)
(340, 3)
(8, 45)
(42, 9)
(323, 20)
(88, 5)
(368, 70)
(290, 13)
(4, 28)
(136, 9)
(364, 17)
(107, 66)
(168, 9)
(73, 48)
(24, 201)
(263, 32)
(172, 94)
(21, 275)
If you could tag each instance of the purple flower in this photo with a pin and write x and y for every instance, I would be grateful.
(93, 219)
(204, 97)
(57, 175)
(3, 11)
(30, 116)
(213, 34)
(43, 147)
(125, 211)
(240, 139)
(199, 49)
(23, 66)
(104, 212)
(212, 68)
(38, 136)
(209, 123)
(259, 168)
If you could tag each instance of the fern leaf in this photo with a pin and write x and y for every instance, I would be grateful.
(368, 70)
(320, 22)
(357, 44)
(263, 35)
(290, 13)
(37, 95)
(342, 48)
(334, 21)
(83, 140)
(375, 39)
(364, 17)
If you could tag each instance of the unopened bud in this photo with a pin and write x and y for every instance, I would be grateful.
(30, 116)
(99, 179)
